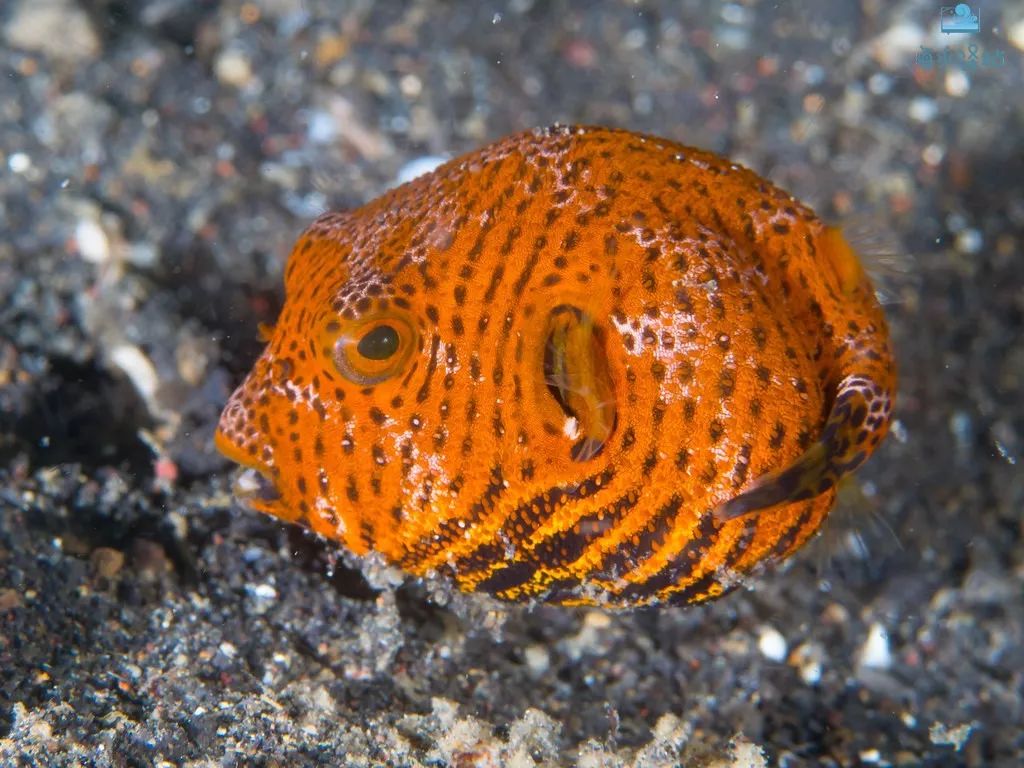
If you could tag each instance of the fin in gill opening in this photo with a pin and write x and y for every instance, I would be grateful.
(576, 373)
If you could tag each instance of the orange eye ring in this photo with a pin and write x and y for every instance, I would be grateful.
(373, 350)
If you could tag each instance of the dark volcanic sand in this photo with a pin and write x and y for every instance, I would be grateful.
(158, 158)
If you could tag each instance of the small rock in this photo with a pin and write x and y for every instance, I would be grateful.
(538, 660)
(969, 241)
(875, 653)
(93, 243)
(149, 558)
(418, 167)
(330, 50)
(56, 28)
(19, 162)
(137, 367)
(835, 615)
(808, 658)
(743, 754)
(370, 143)
(193, 355)
(957, 83)
(668, 736)
(261, 597)
(594, 636)
(82, 120)
(535, 733)
(9, 598)
(1016, 34)
(233, 68)
(953, 736)
(772, 644)
(321, 128)
(923, 109)
(896, 47)
(106, 562)
(870, 756)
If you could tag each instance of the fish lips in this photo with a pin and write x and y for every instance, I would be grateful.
(252, 488)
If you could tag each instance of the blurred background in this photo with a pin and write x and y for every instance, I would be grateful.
(157, 160)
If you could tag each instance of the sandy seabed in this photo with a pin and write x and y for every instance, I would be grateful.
(159, 158)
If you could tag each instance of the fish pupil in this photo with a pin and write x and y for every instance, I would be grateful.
(379, 344)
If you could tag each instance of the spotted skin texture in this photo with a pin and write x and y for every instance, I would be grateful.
(630, 372)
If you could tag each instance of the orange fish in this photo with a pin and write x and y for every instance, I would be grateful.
(579, 366)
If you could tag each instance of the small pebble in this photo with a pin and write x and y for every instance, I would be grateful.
(410, 86)
(807, 658)
(19, 162)
(734, 13)
(263, 592)
(137, 367)
(957, 83)
(772, 644)
(92, 242)
(1016, 34)
(192, 356)
(149, 558)
(593, 636)
(9, 598)
(744, 754)
(898, 45)
(418, 167)
(923, 109)
(835, 614)
(933, 154)
(879, 84)
(537, 658)
(233, 68)
(950, 735)
(875, 653)
(106, 562)
(228, 649)
(41, 731)
(58, 29)
(969, 241)
(143, 255)
(320, 127)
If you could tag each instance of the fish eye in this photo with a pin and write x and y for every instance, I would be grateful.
(372, 350)
(379, 344)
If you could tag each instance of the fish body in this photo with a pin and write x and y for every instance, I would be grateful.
(580, 366)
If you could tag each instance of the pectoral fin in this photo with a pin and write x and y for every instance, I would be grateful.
(858, 420)
(864, 376)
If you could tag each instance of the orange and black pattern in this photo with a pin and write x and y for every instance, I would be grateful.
(580, 365)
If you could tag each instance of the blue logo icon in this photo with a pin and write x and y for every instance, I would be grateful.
(958, 18)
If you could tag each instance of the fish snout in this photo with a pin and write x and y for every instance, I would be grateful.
(238, 438)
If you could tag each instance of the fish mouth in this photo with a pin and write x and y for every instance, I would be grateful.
(252, 488)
